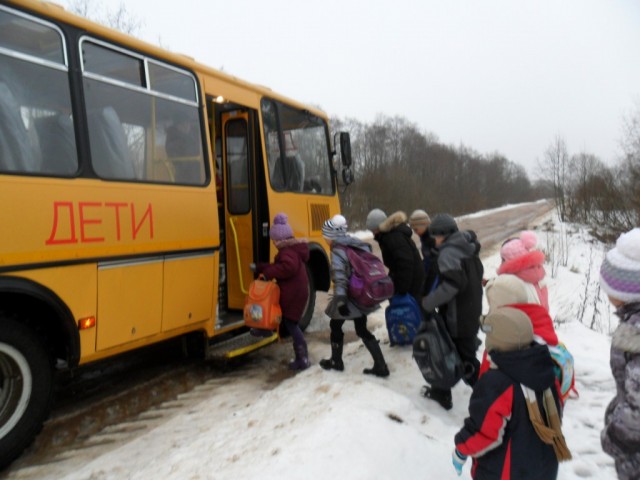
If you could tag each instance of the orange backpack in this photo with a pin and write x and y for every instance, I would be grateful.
(262, 305)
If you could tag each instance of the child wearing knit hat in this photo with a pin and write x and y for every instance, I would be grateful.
(341, 307)
(620, 279)
(521, 258)
(509, 290)
(498, 433)
(419, 222)
(289, 269)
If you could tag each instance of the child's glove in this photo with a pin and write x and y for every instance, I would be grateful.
(343, 308)
(458, 460)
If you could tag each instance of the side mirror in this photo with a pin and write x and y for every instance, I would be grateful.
(345, 149)
(347, 176)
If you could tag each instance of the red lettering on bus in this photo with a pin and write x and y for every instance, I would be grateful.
(116, 208)
(56, 218)
(67, 226)
(147, 214)
(88, 221)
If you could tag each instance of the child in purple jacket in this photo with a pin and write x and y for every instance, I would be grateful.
(289, 269)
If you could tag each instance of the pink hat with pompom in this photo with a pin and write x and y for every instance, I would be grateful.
(517, 247)
(280, 230)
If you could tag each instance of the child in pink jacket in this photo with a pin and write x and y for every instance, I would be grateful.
(522, 259)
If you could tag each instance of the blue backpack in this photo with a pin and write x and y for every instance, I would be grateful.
(564, 369)
(403, 317)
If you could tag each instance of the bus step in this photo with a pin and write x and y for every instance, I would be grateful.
(238, 345)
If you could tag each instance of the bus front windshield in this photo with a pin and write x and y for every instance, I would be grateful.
(298, 151)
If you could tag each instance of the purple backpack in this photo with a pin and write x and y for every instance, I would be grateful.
(369, 283)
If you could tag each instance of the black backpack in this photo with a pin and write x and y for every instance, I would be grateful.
(436, 355)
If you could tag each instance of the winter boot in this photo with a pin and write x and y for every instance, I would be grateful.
(258, 332)
(379, 368)
(335, 362)
(443, 397)
(301, 361)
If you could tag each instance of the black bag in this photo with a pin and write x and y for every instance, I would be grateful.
(436, 355)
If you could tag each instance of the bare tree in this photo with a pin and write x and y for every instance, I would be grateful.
(583, 168)
(631, 164)
(120, 19)
(554, 167)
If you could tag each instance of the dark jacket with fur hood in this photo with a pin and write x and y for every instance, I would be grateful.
(458, 296)
(621, 434)
(400, 255)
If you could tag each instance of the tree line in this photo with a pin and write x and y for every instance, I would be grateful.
(399, 167)
(586, 190)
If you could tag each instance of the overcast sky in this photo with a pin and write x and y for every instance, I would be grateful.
(495, 75)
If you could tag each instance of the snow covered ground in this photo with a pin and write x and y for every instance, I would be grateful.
(321, 425)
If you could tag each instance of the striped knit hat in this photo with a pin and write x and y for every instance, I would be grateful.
(335, 227)
(620, 270)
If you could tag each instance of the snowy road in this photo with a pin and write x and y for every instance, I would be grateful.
(82, 428)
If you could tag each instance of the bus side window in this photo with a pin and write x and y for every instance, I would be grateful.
(109, 149)
(19, 151)
(57, 144)
(183, 145)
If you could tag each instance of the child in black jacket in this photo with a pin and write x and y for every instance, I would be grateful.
(499, 433)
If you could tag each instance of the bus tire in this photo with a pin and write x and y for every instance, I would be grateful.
(26, 380)
(311, 303)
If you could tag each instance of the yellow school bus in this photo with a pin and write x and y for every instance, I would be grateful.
(137, 186)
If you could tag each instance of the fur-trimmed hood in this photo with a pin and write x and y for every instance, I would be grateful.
(393, 220)
(288, 242)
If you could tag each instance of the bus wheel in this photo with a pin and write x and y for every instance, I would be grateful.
(311, 304)
(26, 379)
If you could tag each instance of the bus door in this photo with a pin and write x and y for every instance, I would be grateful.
(239, 232)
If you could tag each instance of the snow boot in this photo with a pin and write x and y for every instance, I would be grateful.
(335, 362)
(301, 361)
(260, 333)
(443, 397)
(379, 368)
